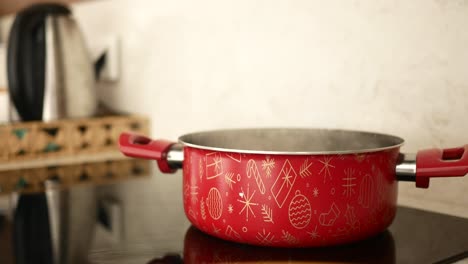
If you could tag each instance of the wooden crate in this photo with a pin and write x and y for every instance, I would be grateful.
(97, 173)
(64, 142)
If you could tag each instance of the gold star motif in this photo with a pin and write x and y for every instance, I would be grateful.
(247, 201)
(326, 168)
(287, 177)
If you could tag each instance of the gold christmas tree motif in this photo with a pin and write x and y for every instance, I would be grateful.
(215, 229)
(288, 238)
(267, 213)
(326, 168)
(192, 214)
(200, 169)
(304, 170)
(349, 182)
(202, 209)
(341, 232)
(247, 201)
(265, 238)
(314, 233)
(267, 165)
(351, 219)
(228, 178)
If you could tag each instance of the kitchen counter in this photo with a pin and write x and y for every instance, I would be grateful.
(142, 221)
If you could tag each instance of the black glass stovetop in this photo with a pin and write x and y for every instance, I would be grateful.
(142, 221)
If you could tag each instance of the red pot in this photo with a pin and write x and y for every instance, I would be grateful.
(293, 187)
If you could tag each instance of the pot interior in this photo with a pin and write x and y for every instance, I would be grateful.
(295, 141)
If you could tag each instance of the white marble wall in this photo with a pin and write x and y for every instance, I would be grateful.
(392, 66)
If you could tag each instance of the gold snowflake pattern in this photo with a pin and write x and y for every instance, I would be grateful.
(218, 163)
(314, 234)
(267, 165)
(228, 178)
(215, 229)
(288, 177)
(315, 192)
(247, 201)
(326, 162)
(265, 238)
(349, 182)
(230, 209)
(194, 193)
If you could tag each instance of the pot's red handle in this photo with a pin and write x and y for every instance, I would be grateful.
(451, 162)
(137, 146)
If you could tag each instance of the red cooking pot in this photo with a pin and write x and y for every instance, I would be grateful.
(293, 187)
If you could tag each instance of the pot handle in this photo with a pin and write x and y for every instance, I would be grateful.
(138, 146)
(452, 162)
(429, 163)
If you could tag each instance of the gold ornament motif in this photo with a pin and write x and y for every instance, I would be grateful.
(214, 203)
(300, 211)
(366, 191)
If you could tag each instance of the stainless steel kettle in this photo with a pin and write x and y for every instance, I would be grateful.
(50, 70)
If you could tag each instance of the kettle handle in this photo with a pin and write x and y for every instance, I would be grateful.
(26, 57)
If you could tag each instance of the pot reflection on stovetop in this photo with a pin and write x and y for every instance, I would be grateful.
(202, 248)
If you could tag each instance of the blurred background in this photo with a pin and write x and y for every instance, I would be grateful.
(391, 66)
(396, 67)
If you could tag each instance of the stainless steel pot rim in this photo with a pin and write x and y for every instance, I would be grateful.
(291, 141)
